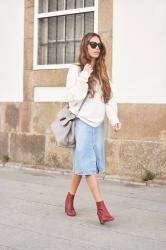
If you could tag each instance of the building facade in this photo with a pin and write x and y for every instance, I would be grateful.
(37, 48)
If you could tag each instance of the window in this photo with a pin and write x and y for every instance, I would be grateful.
(59, 28)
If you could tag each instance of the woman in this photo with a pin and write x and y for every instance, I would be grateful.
(90, 76)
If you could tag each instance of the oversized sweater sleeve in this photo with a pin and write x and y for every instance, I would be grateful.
(111, 108)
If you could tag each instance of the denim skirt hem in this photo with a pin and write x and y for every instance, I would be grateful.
(88, 154)
(84, 174)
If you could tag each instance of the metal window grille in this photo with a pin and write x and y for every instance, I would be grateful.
(61, 26)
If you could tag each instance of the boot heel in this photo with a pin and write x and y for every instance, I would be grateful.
(65, 207)
(100, 219)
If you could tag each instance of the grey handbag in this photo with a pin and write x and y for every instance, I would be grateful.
(63, 127)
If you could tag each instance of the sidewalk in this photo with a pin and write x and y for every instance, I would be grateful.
(32, 214)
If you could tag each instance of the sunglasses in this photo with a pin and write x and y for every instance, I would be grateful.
(95, 44)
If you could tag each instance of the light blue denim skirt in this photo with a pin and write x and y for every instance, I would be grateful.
(89, 153)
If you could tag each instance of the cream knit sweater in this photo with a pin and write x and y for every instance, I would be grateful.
(94, 109)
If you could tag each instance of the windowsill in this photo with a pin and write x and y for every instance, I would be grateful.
(51, 66)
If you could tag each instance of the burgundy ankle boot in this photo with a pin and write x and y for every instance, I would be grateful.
(103, 213)
(69, 209)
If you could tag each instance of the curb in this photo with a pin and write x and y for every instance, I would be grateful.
(104, 177)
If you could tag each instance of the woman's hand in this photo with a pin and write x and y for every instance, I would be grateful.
(88, 68)
(117, 126)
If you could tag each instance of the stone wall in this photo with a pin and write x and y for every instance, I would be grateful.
(25, 133)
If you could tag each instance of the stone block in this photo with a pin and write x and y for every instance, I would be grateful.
(145, 122)
(25, 116)
(29, 14)
(27, 149)
(28, 54)
(107, 40)
(105, 7)
(136, 156)
(29, 20)
(28, 27)
(49, 78)
(28, 86)
(105, 30)
(29, 3)
(112, 156)
(3, 144)
(12, 116)
(42, 116)
(2, 116)
(57, 156)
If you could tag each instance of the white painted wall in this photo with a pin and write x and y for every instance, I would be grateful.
(11, 50)
(139, 51)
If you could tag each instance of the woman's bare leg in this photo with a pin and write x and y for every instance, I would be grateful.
(94, 187)
(75, 181)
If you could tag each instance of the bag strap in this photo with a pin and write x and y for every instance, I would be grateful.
(82, 104)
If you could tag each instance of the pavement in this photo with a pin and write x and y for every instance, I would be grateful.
(32, 214)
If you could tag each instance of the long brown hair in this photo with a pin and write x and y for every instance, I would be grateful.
(99, 70)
